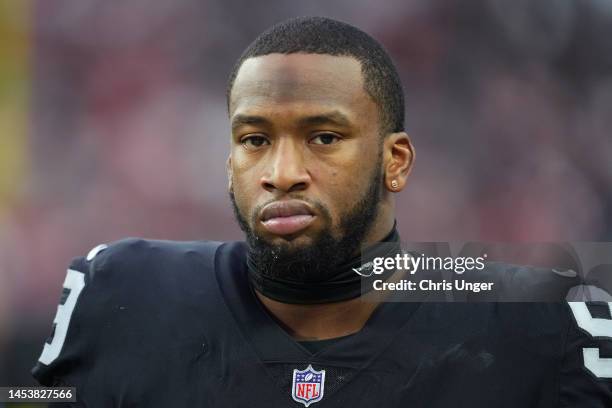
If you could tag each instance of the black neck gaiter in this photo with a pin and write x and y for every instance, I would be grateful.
(344, 284)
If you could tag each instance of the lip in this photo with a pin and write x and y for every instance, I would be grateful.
(286, 217)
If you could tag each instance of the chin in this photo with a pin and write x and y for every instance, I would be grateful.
(292, 242)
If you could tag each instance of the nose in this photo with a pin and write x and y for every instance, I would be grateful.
(287, 171)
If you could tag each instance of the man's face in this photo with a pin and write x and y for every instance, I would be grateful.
(305, 150)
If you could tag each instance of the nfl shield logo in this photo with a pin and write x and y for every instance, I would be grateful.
(308, 385)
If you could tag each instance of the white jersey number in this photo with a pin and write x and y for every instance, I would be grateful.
(75, 282)
(596, 327)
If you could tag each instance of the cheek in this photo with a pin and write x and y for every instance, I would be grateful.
(342, 188)
(345, 189)
(345, 175)
(243, 187)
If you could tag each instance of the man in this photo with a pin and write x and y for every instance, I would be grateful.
(317, 152)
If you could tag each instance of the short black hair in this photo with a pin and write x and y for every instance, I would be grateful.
(320, 35)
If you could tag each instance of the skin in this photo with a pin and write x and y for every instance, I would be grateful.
(304, 127)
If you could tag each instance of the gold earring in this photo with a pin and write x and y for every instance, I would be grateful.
(394, 184)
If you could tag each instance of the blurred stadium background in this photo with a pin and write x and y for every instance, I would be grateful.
(113, 124)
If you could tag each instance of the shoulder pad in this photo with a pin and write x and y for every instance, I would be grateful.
(527, 283)
(132, 257)
(116, 285)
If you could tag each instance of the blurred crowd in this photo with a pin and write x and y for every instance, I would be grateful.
(114, 124)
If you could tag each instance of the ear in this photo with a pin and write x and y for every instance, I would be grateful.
(398, 158)
(228, 168)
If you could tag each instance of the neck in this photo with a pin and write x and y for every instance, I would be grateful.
(337, 282)
(322, 321)
(328, 320)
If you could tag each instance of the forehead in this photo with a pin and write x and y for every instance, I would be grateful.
(300, 80)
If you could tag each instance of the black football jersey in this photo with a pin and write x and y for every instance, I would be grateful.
(169, 324)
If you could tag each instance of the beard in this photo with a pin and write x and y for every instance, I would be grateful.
(318, 261)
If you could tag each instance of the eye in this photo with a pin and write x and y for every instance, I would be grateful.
(326, 138)
(254, 142)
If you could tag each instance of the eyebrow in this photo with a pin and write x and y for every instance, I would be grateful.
(244, 120)
(329, 118)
